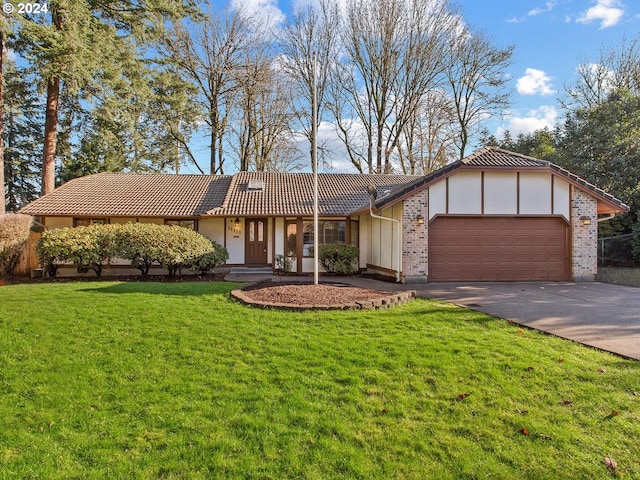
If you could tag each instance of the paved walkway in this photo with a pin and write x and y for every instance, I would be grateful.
(597, 314)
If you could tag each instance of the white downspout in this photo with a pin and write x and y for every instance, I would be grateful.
(608, 217)
(399, 242)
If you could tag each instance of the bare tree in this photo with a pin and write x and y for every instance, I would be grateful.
(394, 49)
(209, 54)
(615, 69)
(310, 31)
(475, 72)
(427, 141)
(263, 139)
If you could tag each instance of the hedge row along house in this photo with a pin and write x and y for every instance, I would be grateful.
(493, 216)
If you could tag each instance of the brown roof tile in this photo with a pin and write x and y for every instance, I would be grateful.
(292, 193)
(133, 195)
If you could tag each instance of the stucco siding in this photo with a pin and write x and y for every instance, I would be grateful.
(212, 228)
(465, 193)
(235, 241)
(535, 194)
(437, 199)
(58, 222)
(561, 198)
(500, 193)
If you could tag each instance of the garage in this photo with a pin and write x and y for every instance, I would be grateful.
(501, 248)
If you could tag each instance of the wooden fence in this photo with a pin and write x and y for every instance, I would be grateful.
(29, 261)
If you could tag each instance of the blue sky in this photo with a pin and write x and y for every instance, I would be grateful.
(552, 38)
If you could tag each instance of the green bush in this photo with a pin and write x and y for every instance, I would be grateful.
(338, 259)
(53, 250)
(210, 260)
(636, 241)
(172, 247)
(14, 234)
(90, 248)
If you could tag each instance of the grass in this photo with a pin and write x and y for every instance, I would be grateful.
(174, 380)
(619, 276)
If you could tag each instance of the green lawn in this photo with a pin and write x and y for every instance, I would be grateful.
(174, 380)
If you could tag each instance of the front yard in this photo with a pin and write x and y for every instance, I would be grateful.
(174, 380)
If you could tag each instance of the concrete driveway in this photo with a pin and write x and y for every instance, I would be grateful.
(597, 314)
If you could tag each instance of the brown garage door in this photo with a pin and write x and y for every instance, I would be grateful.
(498, 249)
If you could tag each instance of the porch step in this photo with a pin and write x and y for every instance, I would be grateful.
(251, 271)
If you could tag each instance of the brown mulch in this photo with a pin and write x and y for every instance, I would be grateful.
(303, 294)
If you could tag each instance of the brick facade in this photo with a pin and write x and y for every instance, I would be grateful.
(584, 238)
(415, 238)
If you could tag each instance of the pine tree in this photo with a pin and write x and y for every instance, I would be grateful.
(89, 48)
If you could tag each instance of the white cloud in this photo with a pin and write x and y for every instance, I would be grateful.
(534, 82)
(537, 11)
(607, 12)
(265, 12)
(537, 119)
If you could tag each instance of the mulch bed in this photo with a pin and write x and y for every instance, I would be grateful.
(297, 296)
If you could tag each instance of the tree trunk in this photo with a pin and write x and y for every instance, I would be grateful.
(50, 136)
(4, 200)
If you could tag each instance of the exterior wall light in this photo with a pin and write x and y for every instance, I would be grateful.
(236, 222)
(420, 219)
(585, 220)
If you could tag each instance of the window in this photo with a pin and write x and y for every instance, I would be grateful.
(330, 231)
(291, 244)
(85, 222)
(191, 224)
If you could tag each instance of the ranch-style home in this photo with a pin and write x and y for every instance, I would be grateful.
(493, 216)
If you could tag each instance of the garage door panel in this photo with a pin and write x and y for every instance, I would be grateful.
(498, 249)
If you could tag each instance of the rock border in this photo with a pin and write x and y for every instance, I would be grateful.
(380, 303)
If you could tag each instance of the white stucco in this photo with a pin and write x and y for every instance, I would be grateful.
(234, 241)
(465, 193)
(535, 194)
(500, 193)
(437, 199)
(561, 197)
(212, 228)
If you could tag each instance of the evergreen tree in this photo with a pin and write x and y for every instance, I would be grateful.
(22, 136)
(90, 48)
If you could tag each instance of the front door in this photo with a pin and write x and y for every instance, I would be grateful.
(255, 252)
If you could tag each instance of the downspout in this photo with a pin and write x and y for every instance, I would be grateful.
(399, 227)
(608, 217)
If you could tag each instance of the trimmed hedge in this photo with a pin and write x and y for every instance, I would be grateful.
(338, 259)
(143, 244)
(14, 234)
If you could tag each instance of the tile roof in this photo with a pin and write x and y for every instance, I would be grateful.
(179, 196)
(498, 157)
(292, 193)
(133, 195)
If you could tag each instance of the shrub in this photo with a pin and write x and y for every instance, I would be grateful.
(137, 242)
(285, 263)
(53, 250)
(338, 259)
(172, 247)
(14, 234)
(88, 248)
(181, 247)
(210, 260)
(636, 241)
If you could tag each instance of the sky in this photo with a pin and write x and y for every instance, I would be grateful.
(551, 38)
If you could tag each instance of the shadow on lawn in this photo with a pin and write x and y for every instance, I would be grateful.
(183, 289)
